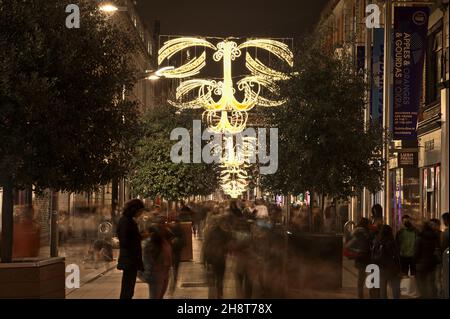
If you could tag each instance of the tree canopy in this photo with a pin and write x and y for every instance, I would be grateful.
(324, 145)
(62, 119)
(63, 122)
(154, 174)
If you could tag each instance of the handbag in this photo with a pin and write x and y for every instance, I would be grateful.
(351, 249)
(408, 287)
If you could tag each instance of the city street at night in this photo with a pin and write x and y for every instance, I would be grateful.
(189, 152)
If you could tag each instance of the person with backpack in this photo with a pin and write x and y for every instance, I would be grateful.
(358, 248)
(406, 241)
(386, 255)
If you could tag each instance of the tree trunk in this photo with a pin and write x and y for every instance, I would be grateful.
(53, 224)
(311, 204)
(7, 220)
(323, 204)
(288, 211)
(114, 202)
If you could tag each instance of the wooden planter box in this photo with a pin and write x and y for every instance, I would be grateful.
(33, 278)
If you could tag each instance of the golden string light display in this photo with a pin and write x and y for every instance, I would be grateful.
(224, 113)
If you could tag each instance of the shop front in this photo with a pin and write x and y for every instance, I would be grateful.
(430, 174)
(405, 187)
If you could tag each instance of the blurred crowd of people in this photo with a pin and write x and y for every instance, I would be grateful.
(246, 234)
(241, 232)
(249, 236)
(414, 255)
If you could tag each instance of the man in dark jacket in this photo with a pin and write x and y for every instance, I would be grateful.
(130, 255)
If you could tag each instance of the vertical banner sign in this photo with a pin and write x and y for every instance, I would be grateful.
(377, 76)
(410, 39)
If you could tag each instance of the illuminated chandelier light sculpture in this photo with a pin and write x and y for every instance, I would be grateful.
(227, 114)
(223, 112)
(234, 177)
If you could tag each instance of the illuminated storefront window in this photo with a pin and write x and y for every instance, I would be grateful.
(430, 192)
(405, 195)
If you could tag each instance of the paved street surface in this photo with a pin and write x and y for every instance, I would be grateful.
(192, 283)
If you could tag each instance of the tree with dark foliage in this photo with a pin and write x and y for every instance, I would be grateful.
(63, 123)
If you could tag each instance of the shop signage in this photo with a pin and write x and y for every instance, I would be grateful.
(409, 47)
(376, 111)
(407, 159)
(429, 145)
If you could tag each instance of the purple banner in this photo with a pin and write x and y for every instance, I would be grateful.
(409, 46)
(376, 111)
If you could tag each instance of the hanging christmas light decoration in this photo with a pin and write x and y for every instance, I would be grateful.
(224, 113)
(234, 164)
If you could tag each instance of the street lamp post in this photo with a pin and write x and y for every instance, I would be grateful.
(110, 7)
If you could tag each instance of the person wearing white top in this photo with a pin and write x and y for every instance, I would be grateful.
(261, 211)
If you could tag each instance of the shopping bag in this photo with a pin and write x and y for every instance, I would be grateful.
(408, 287)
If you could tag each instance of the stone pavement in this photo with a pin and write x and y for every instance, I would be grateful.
(192, 283)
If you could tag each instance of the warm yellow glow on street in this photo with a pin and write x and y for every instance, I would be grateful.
(108, 7)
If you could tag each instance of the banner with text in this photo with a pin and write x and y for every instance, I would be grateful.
(376, 111)
(410, 39)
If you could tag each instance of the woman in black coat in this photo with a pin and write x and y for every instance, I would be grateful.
(130, 255)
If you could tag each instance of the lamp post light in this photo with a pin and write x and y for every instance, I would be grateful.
(156, 75)
(109, 7)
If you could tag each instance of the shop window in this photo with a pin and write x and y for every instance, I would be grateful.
(405, 195)
(431, 192)
(434, 71)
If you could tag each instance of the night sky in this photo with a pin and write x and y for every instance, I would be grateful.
(253, 18)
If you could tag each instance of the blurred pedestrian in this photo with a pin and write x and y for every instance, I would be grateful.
(377, 220)
(330, 218)
(386, 255)
(426, 261)
(241, 250)
(361, 244)
(445, 257)
(235, 210)
(130, 253)
(178, 243)
(157, 258)
(444, 238)
(261, 209)
(317, 219)
(406, 241)
(436, 226)
(215, 250)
